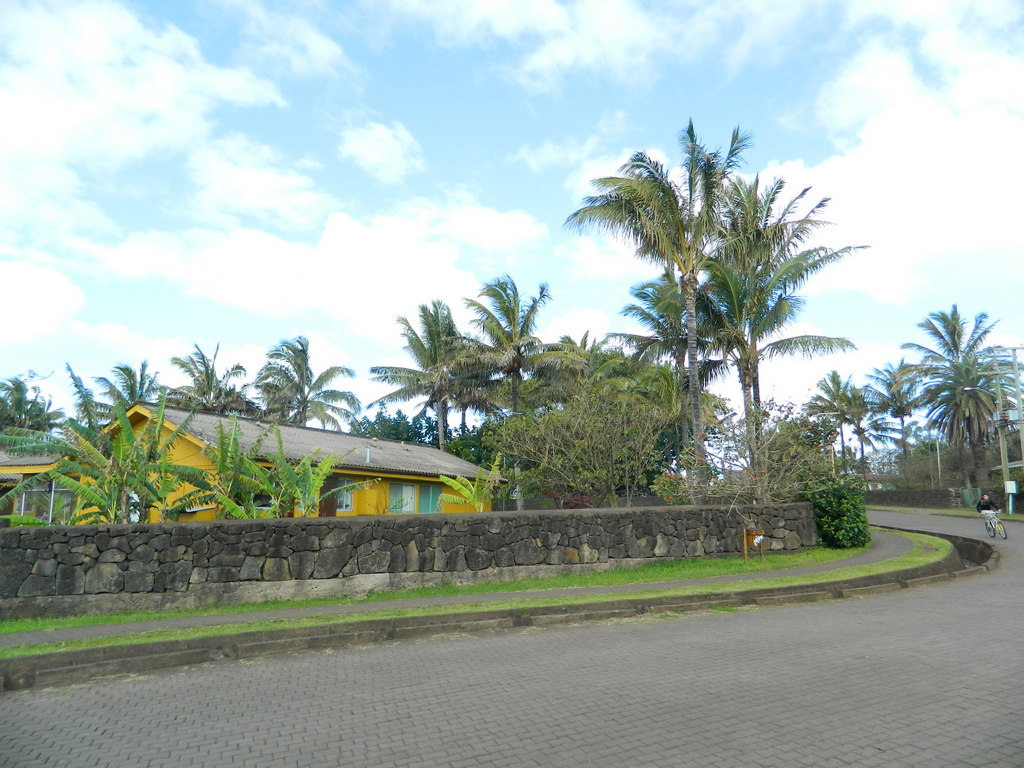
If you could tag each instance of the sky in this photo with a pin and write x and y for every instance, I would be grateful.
(241, 172)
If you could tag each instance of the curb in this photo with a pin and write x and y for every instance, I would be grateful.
(968, 557)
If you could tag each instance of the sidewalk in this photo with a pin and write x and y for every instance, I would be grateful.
(884, 546)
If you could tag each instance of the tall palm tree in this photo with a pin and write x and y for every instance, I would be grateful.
(957, 385)
(675, 225)
(207, 389)
(752, 282)
(835, 399)
(293, 394)
(895, 391)
(434, 349)
(868, 425)
(127, 386)
(508, 346)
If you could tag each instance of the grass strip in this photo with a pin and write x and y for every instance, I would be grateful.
(924, 550)
(673, 570)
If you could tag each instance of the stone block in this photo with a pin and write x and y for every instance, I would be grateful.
(222, 574)
(138, 582)
(70, 580)
(301, 564)
(104, 578)
(477, 559)
(44, 568)
(329, 562)
(276, 569)
(112, 556)
(251, 570)
(176, 576)
(304, 543)
(38, 586)
(528, 552)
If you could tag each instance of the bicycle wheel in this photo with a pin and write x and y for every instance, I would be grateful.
(990, 528)
(1000, 528)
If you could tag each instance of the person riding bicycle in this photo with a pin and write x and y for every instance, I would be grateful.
(986, 504)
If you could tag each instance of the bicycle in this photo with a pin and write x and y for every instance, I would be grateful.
(993, 524)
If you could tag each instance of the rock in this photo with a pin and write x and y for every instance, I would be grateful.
(477, 559)
(301, 564)
(36, 586)
(104, 578)
(276, 569)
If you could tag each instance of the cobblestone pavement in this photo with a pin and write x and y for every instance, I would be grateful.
(927, 676)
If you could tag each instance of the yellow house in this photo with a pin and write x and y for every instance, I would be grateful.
(395, 477)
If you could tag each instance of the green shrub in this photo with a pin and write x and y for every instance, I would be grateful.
(840, 515)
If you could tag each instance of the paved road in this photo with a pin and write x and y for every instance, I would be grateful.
(929, 676)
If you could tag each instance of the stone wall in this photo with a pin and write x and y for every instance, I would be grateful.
(939, 498)
(79, 569)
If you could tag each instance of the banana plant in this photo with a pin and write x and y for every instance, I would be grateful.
(476, 493)
(114, 471)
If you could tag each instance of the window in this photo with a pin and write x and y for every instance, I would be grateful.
(429, 496)
(401, 498)
(345, 497)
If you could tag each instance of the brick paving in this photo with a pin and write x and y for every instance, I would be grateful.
(911, 678)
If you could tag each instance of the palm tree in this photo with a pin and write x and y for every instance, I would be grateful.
(128, 386)
(660, 309)
(676, 226)
(25, 407)
(293, 394)
(868, 425)
(957, 387)
(835, 399)
(508, 347)
(895, 391)
(207, 389)
(752, 282)
(433, 348)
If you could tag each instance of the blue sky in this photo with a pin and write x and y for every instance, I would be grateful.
(239, 172)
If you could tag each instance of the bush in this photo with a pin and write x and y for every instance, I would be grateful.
(840, 515)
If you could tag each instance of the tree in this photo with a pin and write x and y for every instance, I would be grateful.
(752, 281)
(895, 391)
(25, 407)
(834, 399)
(207, 389)
(676, 226)
(434, 349)
(127, 386)
(395, 427)
(293, 394)
(477, 493)
(957, 387)
(236, 480)
(507, 346)
(117, 472)
(599, 444)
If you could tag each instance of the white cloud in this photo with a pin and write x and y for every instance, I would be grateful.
(621, 38)
(928, 163)
(37, 299)
(387, 153)
(87, 88)
(362, 273)
(289, 39)
(239, 176)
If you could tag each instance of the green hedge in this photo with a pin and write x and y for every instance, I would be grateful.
(840, 515)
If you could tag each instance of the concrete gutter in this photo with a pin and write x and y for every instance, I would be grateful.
(968, 557)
